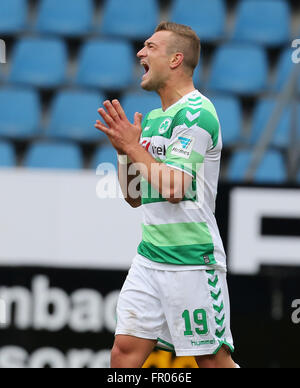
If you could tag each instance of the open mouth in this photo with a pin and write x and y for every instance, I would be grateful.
(146, 68)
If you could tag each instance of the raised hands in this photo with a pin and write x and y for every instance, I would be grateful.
(121, 133)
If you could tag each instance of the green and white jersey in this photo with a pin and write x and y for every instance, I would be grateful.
(187, 137)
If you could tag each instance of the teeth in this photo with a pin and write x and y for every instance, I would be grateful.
(146, 67)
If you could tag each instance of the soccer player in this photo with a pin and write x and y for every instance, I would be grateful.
(175, 296)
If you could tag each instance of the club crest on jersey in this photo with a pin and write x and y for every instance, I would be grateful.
(183, 147)
(164, 126)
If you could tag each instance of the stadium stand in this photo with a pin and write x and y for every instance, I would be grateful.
(139, 102)
(73, 115)
(7, 155)
(263, 112)
(67, 18)
(246, 63)
(106, 64)
(20, 113)
(271, 169)
(230, 115)
(284, 70)
(232, 69)
(53, 155)
(131, 19)
(40, 62)
(13, 16)
(207, 18)
(264, 22)
(104, 154)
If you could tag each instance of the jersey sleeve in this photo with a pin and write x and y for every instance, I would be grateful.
(194, 133)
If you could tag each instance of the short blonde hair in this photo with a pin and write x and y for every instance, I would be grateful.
(186, 41)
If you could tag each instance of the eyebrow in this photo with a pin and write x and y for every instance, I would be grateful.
(147, 43)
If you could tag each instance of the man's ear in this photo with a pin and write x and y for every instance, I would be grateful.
(176, 60)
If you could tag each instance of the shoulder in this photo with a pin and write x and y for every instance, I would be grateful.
(199, 112)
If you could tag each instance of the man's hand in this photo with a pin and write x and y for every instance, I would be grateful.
(121, 133)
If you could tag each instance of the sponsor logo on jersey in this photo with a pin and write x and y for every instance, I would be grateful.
(164, 126)
(183, 147)
(156, 150)
(146, 144)
(185, 141)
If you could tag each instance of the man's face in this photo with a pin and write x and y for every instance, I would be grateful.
(156, 60)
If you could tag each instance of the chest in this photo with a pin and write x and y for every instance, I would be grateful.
(156, 137)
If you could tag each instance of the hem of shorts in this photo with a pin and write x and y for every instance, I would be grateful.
(203, 351)
(138, 334)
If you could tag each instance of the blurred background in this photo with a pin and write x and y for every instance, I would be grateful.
(64, 248)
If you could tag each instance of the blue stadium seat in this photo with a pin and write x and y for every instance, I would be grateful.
(13, 16)
(106, 64)
(207, 18)
(73, 115)
(230, 115)
(198, 75)
(132, 19)
(39, 62)
(263, 21)
(7, 155)
(233, 69)
(67, 18)
(284, 70)
(262, 114)
(54, 155)
(20, 113)
(139, 102)
(105, 154)
(271, 169)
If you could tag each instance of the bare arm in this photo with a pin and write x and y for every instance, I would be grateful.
(169, 182)
(129, 182)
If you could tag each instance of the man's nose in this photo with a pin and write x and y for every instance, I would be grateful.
(141, 53)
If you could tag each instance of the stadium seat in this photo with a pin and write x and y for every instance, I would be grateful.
(198, 75)
(207, 18)
(7, 155)
(53, 155)
(230, 115)
(40, 62)
(106, 64)
(67, 18)
(13, 16)
(131, 19)
(73, 115)
(105, 154)
(264, 22)
(284, 70)
(241, 69)
(139, 102)
(271, 169)
(262, 114)
(20, 113)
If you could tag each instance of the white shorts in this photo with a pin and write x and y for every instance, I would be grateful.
(187, 312)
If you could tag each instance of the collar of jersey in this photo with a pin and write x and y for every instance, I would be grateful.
(195, 91)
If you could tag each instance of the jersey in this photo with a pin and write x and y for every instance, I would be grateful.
(187, 137)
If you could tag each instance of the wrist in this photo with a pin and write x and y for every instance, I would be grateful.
(132, 149)
(123, 159)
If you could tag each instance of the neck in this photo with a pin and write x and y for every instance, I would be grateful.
(172, 92)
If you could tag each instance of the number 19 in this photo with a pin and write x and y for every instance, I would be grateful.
(200, 319)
